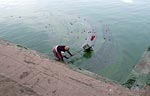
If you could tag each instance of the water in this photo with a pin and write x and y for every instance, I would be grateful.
(121, 28)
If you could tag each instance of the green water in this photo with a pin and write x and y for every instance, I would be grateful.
(121, 28)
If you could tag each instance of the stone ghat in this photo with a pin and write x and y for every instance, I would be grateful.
(139, 79)
(47, 77)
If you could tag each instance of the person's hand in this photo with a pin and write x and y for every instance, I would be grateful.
(66, 57)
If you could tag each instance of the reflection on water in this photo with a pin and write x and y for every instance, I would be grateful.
(118, 30)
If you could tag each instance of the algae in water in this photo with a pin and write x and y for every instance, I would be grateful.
(130, 82)
(21, 46)
(148, 80)
(148, 49)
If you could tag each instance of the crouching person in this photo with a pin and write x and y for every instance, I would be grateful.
(61, 48)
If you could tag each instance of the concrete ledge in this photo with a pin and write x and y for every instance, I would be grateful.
(48, 77)
(11, 88)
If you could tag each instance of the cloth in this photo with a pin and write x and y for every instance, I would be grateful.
(57, 53)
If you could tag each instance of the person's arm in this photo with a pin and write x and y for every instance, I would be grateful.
(66, 57)
(69, 53)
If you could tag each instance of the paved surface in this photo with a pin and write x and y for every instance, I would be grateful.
(11, 88)
(139, 78)
(51, 78)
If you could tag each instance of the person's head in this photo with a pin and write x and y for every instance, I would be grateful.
(67, 48)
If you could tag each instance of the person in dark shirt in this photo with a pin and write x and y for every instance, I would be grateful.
(61, 48)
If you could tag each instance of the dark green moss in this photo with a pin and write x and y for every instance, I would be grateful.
(148, 49)
(130, 82)
(148, 83)
(21, 46)
(148, 80)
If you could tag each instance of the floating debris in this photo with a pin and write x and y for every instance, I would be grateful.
(92, 37)
(45, 26)
(71, 23)
(106, 30)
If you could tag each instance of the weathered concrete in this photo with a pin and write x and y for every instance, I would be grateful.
(51, 78)
(139, 79)
(11, 88)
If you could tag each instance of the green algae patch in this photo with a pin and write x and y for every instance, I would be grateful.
(130, 82)
(21, 46)
(148, 80)
(148, 83)
(148, 49)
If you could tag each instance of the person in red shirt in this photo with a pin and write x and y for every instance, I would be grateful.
(61, 48)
